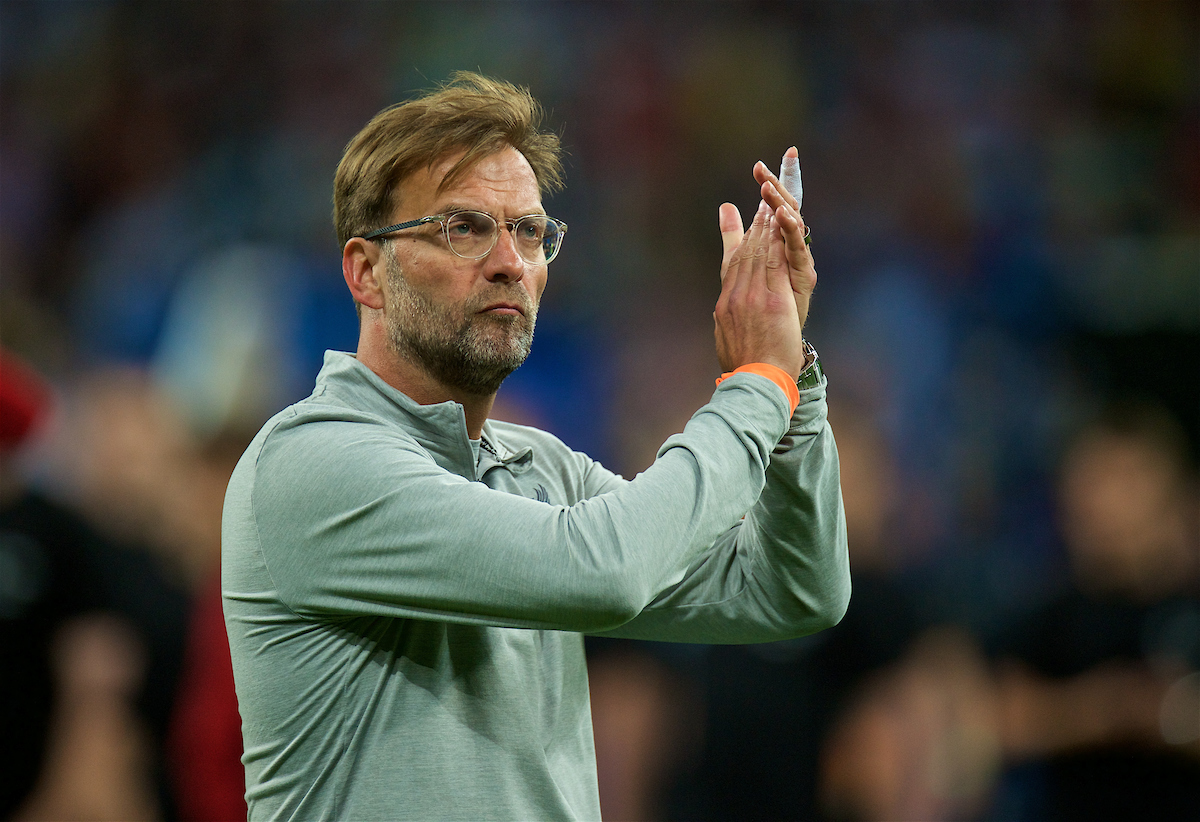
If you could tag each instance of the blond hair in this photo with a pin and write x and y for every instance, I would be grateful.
(470, 112)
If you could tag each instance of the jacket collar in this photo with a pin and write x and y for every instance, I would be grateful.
(440, 428)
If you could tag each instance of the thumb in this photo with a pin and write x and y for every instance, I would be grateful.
(730, 221)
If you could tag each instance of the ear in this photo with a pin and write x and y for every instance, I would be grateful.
(363, 267)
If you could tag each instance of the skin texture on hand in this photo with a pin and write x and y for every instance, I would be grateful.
(755, 319)
(785, 208)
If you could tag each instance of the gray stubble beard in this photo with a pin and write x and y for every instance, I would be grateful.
(472, 352)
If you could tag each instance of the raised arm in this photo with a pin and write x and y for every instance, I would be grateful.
(784, 570)
(354, 519)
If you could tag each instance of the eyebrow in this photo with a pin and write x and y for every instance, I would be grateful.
(452, 207)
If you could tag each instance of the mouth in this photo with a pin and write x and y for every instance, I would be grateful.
(503, 309)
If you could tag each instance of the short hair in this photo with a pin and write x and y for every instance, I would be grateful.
(470, 112)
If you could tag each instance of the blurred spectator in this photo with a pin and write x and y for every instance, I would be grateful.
(130, 457)
(142, 475)
(225, 363)
(98, 763)
(1096, 704)
(918, 742)
(647, 719)
(1100, 690)
(87, 647)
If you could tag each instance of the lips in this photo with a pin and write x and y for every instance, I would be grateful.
(503, 308)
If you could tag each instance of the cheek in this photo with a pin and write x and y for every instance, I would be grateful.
(537, 285)
(436, 278)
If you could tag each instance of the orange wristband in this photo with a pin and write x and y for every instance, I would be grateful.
(773, 373)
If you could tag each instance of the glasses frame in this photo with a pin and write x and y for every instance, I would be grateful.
(444, 219)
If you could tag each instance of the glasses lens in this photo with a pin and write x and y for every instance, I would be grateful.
(537, 238)
(471, 233)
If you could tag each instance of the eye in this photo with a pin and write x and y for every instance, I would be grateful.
(470, 224)
(531, 229)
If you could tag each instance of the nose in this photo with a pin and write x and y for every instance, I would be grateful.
(503, 263)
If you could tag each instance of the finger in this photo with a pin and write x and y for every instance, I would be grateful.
(730, 221)
(793, 230)
(760, 242)
(746, 257)
(755, 240)
(766, 177)
(739, 260)
(776, 268)
(789, 175)
(753, 237)
(776, 199)
(802, 269)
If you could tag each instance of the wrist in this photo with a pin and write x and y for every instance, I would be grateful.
(773, 373)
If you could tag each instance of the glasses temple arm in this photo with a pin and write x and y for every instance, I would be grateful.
(370, 235)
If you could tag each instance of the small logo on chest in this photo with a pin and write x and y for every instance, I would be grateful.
(540, 493)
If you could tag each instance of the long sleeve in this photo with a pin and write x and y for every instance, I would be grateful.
(783, 571)
(352, 517)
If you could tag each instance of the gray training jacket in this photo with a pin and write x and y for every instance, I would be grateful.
(405, 622)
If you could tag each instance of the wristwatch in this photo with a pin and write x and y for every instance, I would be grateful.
(811, 376)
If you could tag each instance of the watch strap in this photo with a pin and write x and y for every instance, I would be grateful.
(813, 373)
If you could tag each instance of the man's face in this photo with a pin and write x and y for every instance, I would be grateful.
(468, 323)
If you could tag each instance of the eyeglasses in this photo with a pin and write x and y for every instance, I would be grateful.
(473, 234)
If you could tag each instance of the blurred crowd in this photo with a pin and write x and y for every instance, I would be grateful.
(1005, 205)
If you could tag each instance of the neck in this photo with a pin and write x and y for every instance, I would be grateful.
(420, 386)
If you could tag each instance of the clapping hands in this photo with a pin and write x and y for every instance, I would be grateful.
(759, 268)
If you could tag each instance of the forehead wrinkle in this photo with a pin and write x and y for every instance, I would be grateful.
(454, 172)
(493, 179)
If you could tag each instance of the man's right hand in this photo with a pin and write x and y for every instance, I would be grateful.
(756, 317)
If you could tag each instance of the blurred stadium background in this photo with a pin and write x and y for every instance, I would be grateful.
(1005, 206)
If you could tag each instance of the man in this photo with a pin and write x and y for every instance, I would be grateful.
(406, 582)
